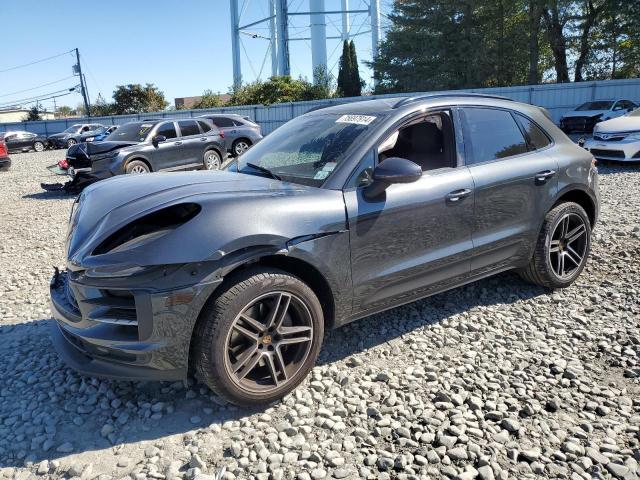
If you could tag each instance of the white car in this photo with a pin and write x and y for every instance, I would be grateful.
(617, 139)
(584, 118)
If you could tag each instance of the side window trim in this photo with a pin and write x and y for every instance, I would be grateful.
(517, 117)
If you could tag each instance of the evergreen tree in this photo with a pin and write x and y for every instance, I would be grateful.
(344, 71)
(354, 83)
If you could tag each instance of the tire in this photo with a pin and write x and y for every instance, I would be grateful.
(212, 160)
(219, 344)
(240, 146)
(38, 146)
(560, 247)
(71, 142)
(136, 167)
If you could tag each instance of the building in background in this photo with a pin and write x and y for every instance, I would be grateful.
(12, 115)
(187, 103)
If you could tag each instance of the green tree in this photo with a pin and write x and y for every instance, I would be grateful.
(135, 98)
(100, 108)
(33, 114)
(277, 89)
(64, 111)
(208, 100)
(344, 71)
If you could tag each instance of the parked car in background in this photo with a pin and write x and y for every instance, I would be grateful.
(240, 133)
(5, 161)
(21, 141)
(150, 146)
(585, 117)
(71, 135)
(101, 136)
(617, 139)
(340, 213)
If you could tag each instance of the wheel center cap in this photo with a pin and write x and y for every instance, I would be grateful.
(266, 339)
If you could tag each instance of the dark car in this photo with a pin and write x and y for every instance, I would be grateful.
(340, 213)
(240, 132)
(5, 161)
(72, 135)
(20, 141)
(150, 146)
(100, 136)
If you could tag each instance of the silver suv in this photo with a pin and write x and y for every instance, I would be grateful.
(240, 133)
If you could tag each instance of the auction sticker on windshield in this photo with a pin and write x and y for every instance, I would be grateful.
(357, 119)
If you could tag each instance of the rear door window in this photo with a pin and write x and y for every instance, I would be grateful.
(490, 134)
(188, 128)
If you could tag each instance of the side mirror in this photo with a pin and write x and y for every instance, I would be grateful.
(390, 171)
(158, 139)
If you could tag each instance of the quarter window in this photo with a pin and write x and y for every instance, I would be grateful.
(490, 134)
(168, 130)
(188, 127)
(204, 126)
(222, 122)
(535, 136)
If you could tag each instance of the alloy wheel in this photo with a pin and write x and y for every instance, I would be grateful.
(38, 146)
(241, 147)
(212, 161)
(268, 342)
(568, 245)
(138, 169)
(71, 142)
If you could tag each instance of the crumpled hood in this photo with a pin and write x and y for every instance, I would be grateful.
(620, 124)
(59, 135)
(584, 113)
(79, 155)
(236, 208)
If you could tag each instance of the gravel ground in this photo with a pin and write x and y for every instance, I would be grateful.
(494, 380)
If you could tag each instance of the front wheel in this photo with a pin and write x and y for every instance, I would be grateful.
(71, 142)
(259, 338)
(38, 146)
(212, 160)
(562, 247)
(136, 167)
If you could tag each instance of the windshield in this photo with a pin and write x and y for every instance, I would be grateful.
(600, 105)
(307, 149)
(72, 129)
(131, 132)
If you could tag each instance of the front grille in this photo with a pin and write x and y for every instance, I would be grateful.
(597, 152)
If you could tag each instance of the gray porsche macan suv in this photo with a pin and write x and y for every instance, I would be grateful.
(345, 211)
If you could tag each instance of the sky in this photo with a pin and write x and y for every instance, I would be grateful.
(183, 47)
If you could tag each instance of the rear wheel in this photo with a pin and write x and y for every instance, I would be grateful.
(259, 338)
(562, 248)
(212, 160)
(136, 167)
(38, 146)
(240, 146)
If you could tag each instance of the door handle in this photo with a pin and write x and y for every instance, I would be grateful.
(458, 195)
(545, 175)
(177, 143)
(203, 139)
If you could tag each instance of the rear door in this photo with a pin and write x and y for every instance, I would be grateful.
(515, 181)
(228, 127)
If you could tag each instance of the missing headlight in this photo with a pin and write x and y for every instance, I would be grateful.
(148, 227)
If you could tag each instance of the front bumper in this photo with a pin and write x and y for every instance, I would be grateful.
(578, 124)
(105, 328)
(621, 150)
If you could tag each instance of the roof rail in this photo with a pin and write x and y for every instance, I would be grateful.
(409, 100)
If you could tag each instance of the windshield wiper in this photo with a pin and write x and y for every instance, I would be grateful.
(263, 170)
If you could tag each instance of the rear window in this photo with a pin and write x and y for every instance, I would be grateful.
(132, 132)
(188, 127)
(491, 134)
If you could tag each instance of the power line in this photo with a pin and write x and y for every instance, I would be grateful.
(37, 97)
(36, 87)
(34, 62)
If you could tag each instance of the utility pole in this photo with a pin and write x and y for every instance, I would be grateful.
(82, 86)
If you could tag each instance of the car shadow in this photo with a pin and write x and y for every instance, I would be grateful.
(45, 405)
(49, 195)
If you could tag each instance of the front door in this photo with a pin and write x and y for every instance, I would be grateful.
(164, 153)
(515, 182)
(414, 239)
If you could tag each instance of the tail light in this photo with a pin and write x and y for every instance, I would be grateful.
(221, 133)
(594, 162)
